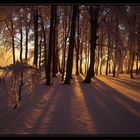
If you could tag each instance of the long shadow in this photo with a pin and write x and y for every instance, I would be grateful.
(45, 111)
(60, 122)
(113, 118)
(25, 110)
(129, 84)
(116, 93)
(111, 92)
(135, 79)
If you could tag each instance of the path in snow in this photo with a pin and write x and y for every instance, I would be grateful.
(107, 106)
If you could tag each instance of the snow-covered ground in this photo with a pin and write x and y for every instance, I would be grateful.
(107, 106)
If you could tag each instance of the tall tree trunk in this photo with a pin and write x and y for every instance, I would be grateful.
(57, 53)
(78, 45)
(116, 47)
(54, 41)
(129, 65)
(94, 27)
(101, 54)
(98, 60)
(137, 65)
(71, 46)
(21, 40)
(13, 42)
(45, 45)
(109, 65)
(13, 50)
(26, 42)
(108, 50)
(35, 61)
(64, 56)
(40, 51)
(133, 45)
(48, 70)
(88, 56)
(77, 59)
(66, 25)
(107, 61)
(81, 58)
(138, 51)
(11, 30)
(132, 64)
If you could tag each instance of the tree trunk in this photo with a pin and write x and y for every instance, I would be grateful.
(11, 30)
(133, 45)
(64, 56)
(137, 65)
(98, 60)
(57, 55)
(109, 68)
(48, 70)
(78, 45)
(129, 64)
(94, 27)
(101, 55)
(71, 46)
(107, 61)
(35, 61)
(13, 50)
(54, 41)
(116, 47)
(40, 50)
(26, 43)
(77, 59)
(132, 64)
(45, 45)
(21, 40)
(108, 50)
(81, 51)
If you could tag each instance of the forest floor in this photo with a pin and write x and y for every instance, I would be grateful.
(106, 106)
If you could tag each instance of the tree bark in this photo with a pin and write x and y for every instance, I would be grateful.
(101, 55)
(26, 42)
(54, 41)
(45, 45)
(81, 52)
(21, 40)
(78, 45)
(48, 70)
(137, 65)
(40, 51)
(116, 47)
(11, 30)
(94, 27)
(35, 61)
(71, 46)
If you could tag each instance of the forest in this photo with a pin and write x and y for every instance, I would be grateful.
(70, 69)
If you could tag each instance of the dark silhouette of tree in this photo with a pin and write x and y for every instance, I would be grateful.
(71, 46)
(54, 42)
(94, 11)
(116, 47)
(35, 15)
(52, 22)
(78, 45)
(21, 37)
(66, 26)
(11, 30)
(27, 36)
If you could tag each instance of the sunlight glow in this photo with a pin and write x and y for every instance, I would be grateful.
(132, 94)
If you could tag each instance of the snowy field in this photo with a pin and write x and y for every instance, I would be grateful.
(107, 106)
